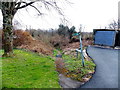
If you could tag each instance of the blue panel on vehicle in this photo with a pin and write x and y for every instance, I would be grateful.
(105, 38)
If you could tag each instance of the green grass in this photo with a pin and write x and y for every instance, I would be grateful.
(29, 70)
(56, 52)
(75, 68)
(0, 70)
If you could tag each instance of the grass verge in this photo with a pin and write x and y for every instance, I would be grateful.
(29, 70)
(74, 69)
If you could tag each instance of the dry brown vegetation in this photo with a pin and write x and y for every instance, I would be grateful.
(44, 42)
(51, 38)
(60, 41)
(24, 40)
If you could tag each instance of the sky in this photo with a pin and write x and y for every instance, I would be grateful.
(91, 14)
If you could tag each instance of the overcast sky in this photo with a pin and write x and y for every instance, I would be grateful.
(92, 14)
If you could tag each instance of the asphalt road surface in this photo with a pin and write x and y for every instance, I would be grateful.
(106, 75)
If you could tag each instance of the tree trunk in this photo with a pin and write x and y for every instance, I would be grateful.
(8, 32)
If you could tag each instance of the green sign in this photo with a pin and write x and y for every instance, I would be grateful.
(76, 34)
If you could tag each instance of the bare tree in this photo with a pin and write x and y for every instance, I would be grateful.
(9, 9)
(114, 25)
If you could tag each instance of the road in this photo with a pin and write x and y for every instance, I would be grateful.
(106, 75)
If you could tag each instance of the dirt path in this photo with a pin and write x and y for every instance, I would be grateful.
(64, 81)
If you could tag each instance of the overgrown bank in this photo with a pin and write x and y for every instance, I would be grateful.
(71, 67)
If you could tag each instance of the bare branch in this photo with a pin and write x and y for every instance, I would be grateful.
(114, 25)
(53, 4)
(34, 8)
(37, 9)
(27, 4)
(69, 2)
(18, 4)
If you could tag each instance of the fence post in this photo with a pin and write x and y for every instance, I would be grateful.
(81, 50)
